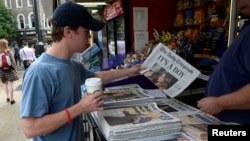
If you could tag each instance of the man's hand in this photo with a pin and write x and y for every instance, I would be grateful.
(135, 70)
(209, 105)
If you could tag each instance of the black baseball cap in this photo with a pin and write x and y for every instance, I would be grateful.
(72, 14)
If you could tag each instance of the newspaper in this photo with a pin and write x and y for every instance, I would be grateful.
(176, 107)
(196, 125)
(197, 131)
(136, 122)
(125, 95)
(194, 122)
(179, 136)
(168, 71)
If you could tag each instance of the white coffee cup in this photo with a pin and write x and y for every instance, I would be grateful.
(93, 84)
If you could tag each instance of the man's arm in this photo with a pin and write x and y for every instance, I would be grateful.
(13, 61)
(37, 126)
(33, 56)
(237, 100)
(110, 75)
(21, 54)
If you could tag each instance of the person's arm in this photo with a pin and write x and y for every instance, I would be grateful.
(110, 75)
(33, 127)
(21, 54)
(237, 100)
(13, 61)
(34, 56)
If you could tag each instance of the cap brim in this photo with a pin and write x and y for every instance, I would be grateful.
(94, 24)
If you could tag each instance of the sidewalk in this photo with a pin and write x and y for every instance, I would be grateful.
(9, 117)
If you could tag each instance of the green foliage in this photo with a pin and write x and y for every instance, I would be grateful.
(7, 23)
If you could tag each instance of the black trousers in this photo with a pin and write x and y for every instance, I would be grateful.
(25, 64)
(18, 61)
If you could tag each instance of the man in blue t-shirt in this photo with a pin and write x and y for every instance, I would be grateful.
(52, 103)
(228, 90)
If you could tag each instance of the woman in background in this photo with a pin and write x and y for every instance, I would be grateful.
(8, 76)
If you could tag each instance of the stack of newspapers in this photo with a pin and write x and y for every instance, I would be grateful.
(135, 122)
(194, 122)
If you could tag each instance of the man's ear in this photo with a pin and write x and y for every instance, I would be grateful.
(67, 32)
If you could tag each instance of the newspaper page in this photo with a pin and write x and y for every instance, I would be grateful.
(125, 95)
(136, 122)
(176, 107)
(196, 125)
(168, 71)
(197, 131)
(200, 118)
(171, 137)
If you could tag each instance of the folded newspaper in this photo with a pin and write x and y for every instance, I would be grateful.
(168, 71)
(178, 136)
(176, 107)
(125, 95)
(196, 125)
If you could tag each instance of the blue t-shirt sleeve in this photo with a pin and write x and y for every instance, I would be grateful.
(44, 87)
(35, 91)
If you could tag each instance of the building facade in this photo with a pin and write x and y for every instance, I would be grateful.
(25, 12)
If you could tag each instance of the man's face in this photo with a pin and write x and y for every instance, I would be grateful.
(81, 39)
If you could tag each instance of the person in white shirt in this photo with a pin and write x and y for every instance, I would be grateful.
(27, 55)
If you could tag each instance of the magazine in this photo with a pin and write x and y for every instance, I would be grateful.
(91, 58)
(168, 71)
(125, 95)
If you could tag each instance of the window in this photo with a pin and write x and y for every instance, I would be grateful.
(21, 23)
(8, 4)
(19, 3)
(32, 20)
(46, 23)
(30, 2)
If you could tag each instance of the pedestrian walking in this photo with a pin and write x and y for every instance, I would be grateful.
(27, 55)
(17, 56)
(7, 70)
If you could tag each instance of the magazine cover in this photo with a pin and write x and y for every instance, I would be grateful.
(168, 71)
(91, 58)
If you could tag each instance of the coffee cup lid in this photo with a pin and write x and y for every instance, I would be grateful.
(93, 81)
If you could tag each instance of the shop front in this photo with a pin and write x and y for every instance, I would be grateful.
(30, 36)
